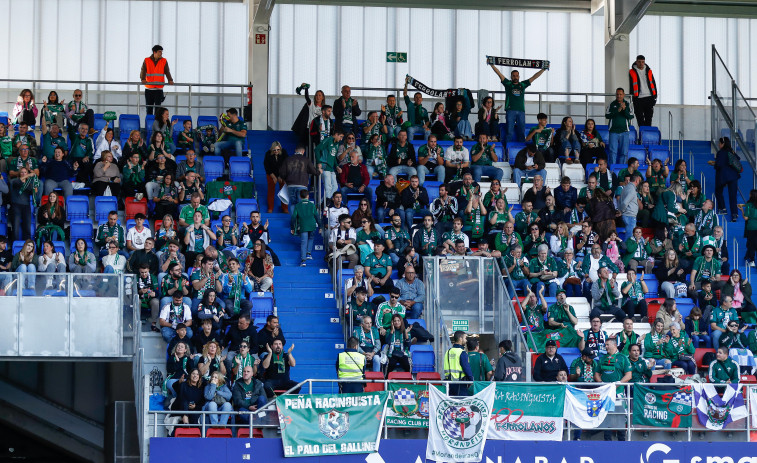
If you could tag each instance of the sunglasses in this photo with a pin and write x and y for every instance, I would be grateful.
(394, 297)
(363, 221)
(77, 95)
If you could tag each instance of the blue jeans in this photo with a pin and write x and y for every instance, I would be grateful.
(663, 363)
(630, 222)
(392, 255)
(520, 174)
(572, 147)
(329, 183)
(701, 340)
(306, 244)
(423, 171)
(169, 333)
(522, 285)
(464, 129)
(294, 194)
(382, 214)
(30, 280)
(572, 290)
(617, 148)
(415, 311)
(224, 144)
(516, 118)
(413, 129)
(260, 403)
(550, 288)
(213, 407)
(409, 171)
(410, 213)
(716, 337)
(489, 171)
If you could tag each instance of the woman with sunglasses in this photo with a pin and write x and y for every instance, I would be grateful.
(243, 359)
(274, 160)
(259, 267)
(364, 211)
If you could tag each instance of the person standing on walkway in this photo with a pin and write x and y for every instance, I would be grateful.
(620, 115)
(305, 223)
(726, 175)
(515, 105)
(295, 170)
(643, 91)
(153, 74)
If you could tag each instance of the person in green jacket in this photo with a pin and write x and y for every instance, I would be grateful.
(723, 370)
(666, 209)
(680, 350)
(640, 372)
(705, 267)
(620, 114)
(417, 115)
(562, 322)
(638, 252)
(752, 341)
(543, 271)
(325, 153)
(733, 338)
(654, 342)
(305, 222)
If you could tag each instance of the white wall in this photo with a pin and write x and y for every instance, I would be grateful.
(108, 40)
(328, 46)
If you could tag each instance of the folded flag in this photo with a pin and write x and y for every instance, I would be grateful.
(716, 412)
(517, 62)
(587, 408)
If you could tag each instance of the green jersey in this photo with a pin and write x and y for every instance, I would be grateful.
(479, 365)
(515, 94)
(613, 367)
(475, 220)
(534, 317)
(6, 147)
(584, 371)
(386, 311)
(378, 266)
(558, 315)
(237, 126)
(640, 372)
(485, 159)
(82, 148)
(542, 139)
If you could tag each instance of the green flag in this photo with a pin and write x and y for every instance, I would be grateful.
(331, 424)
(663, 407)
(408, 405)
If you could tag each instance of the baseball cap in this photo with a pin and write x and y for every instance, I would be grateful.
(588, 352)
(561, 290)
(551, 343)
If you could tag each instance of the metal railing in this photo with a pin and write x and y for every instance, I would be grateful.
(621, 419)
(108, 95)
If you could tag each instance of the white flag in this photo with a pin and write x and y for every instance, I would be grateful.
(587, 408)
(457, 428)
(716, 412)
(753, 403)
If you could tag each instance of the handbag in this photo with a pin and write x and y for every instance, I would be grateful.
(219, 399)
(573, 281)
(284, 194)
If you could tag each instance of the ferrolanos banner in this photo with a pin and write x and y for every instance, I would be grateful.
(526, 411)
(331, 424)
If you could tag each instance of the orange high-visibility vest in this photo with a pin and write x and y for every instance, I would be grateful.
(635, 82)
(155, 71)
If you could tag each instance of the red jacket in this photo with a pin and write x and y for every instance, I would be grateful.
(363, 173)
(633, 77)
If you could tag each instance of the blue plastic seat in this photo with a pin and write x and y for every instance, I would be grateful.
(423, 357)
(207, 120)
(17, 245)
(3, 221)
(244, 207)
(616, 168)
(127, 123)
(132, 223)
(99, 122)
(653, 285)
(77, 208)
(180, 158)
(213, 167)
(239, 169)
(650, 136)
(512, 150)
(149, 119)
(660, 152)
(433, 190)
(60, 247)
(352, 205)
(590, 170)
(420, 321)
(638, 152)
(604, 132)
(633, 137)
(103, 206)
(81, 230)
(262, 305)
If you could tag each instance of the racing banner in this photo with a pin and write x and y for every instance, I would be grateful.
(331, 424)
(457, 428)
(517, 62)
(407, 406)
(526, 411)
(665, 408)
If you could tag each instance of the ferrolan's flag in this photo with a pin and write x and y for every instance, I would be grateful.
(666, 408)
(531, 411)
(457, 428)
(716, 412)
(331, 424)
(587, 408)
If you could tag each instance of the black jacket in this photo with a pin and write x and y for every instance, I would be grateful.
(509, 368)
(408, 200)
(546, 370)
(391, 196)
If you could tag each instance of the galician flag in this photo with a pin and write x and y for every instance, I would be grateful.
(716, 412)
(587, 408)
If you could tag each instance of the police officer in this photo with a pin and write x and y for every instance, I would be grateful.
(350, 365)
(456, 365)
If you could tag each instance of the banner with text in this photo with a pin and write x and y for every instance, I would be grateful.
(526, 411)
(517, 62)
(330, 424)
(407, 406)
(662, 407)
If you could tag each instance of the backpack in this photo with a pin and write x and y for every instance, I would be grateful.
(734, 162)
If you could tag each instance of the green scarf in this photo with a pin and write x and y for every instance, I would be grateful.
(278, 360)
(31, 182)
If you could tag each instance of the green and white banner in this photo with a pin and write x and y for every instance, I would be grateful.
(457, 428)
(668, 408)
(331, 424)
(526, 411)
(408, 406)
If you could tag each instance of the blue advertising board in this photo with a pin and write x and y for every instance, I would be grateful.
(171, 450)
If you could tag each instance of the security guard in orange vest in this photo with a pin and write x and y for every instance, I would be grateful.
(643, 91)
(153, 74)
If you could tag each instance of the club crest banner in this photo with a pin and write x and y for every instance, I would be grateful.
(457, 428)
(665, 408)
(408, 405)
(331, 424)
(526, 411)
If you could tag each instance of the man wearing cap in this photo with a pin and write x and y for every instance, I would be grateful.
(563, 320)
(549, 363)
(153, 75)
(643, 91)
(582, 369)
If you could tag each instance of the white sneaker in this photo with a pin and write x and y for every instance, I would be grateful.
(751, 264)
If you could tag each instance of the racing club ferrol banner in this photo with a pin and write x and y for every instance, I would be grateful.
(331, 424)
(526, 411)
(407, 406)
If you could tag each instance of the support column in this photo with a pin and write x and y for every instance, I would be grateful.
(621, 17)
(257, 62)
(617, 63)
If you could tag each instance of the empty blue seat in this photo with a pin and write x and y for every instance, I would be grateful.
(149, 119)
(423, 357)
(262, 305)
(570, 357)
(207, 120)
(604, 132)
(99, 122)
(60, 247)
(244, 207)
(633, 137)
(103, 206)
(650, 136)
(3, 222)
(77, 208)
(420, 321)
(180, 158)
(589, 170)
(660, 152)
(638, 152)
(352, 206)
(512, 150)
(213, 167)
(239, 169)
(616, 168)
(653, 285)
(433, 190)
(17, 245)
